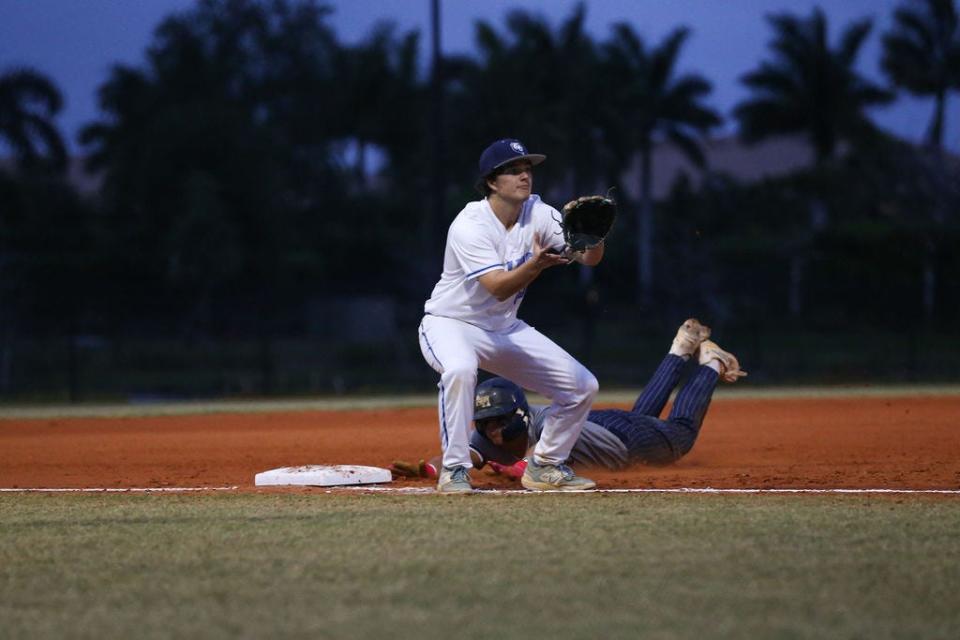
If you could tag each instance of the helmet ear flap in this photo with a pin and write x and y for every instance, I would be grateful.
(519, 424)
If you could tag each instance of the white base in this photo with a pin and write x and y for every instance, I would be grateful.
(322, 475)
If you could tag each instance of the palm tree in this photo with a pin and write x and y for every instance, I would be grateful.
(535, 81)
(922, 54)
(564, 61)
(379, 94)
(809, 87)
(649, 103)
(551, 103)
(220, 134)
(28, 103)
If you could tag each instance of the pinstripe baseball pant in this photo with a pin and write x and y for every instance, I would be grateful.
(649, 439)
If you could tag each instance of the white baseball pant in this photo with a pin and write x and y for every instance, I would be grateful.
(456, 349)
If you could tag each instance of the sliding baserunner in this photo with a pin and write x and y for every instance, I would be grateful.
(507, 427)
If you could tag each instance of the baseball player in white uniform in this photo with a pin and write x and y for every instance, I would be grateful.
(495, 248)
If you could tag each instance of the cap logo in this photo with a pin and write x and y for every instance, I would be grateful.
(483, 402)
(516, 146)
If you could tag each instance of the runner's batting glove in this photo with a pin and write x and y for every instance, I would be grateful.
(514, 470)
(421, 469)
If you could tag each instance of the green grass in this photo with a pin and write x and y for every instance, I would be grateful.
(579, 566)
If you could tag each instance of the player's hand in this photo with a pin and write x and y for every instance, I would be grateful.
(420, 469)
(732, 375)
(514, 470)
(544, 257)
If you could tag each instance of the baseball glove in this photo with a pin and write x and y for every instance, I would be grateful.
(587, 221)
(421, 469)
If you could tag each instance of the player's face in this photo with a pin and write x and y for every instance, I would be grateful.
(493, 428)
(514, 181)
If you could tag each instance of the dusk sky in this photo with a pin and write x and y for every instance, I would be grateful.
(74, 42)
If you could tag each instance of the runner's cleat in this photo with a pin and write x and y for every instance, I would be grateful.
(689, 336)
(729, 365)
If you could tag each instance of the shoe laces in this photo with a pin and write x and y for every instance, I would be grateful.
(566, 471)
(460, 475)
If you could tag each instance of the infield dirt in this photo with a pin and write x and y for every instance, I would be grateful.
(901, 442)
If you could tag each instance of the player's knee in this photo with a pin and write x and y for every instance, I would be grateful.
(684, 446)
(584, 390)
(682, 439)
(591, 386)
(587, 387)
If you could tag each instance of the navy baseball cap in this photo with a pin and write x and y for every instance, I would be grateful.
(503, 151)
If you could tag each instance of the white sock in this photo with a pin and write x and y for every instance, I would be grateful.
(676, 352)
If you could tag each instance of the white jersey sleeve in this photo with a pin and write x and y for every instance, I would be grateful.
(472, 247)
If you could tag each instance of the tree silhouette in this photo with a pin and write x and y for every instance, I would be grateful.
(808, 87)
(28, 103)
(922, 54)
(381, 97)
(535, 82)
(43, 239)
(565, 62)
(216, 152)
(649, 103)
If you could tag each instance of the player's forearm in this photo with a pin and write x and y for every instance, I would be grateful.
(504, 284)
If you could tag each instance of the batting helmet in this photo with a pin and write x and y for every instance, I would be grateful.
(498, 397)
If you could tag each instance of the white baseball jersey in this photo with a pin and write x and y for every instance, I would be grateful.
(478, 243)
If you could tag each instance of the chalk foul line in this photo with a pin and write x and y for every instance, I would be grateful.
(705, 490)
(519, 492)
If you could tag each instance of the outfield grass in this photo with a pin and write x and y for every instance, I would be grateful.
(577, 566)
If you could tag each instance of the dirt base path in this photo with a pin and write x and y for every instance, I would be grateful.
(868, 442)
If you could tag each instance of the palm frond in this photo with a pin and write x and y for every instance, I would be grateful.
(531, 33)
(687, 144)
(41, 129)
(852, 39)
(792, 43)
(571, 33)
(915, 27)
(488, 41)
(922, 51)
(690, 87)
(629, 45)
(772, 80)
(29, 87)
(664, 57)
